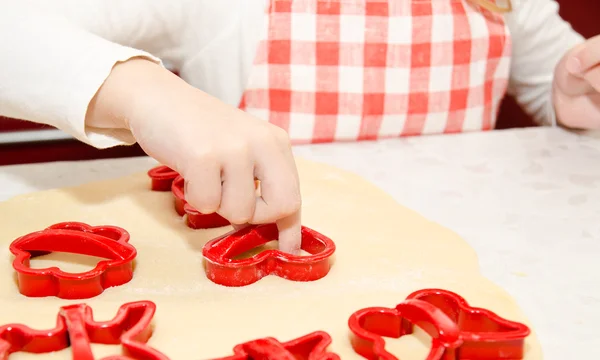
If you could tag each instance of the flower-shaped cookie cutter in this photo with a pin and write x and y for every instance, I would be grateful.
(223, 268)
(310, 347)
(458, 330)
(76, 328)
(165, 179)
(109, 242)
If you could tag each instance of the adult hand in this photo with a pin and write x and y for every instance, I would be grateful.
(576, 92)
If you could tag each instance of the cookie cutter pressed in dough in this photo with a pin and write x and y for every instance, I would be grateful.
(76, 328)
(309, 347)
(108, 242)
(165, 179)
(162, 178)
(458, 330)
(195, 219)
(223, 269)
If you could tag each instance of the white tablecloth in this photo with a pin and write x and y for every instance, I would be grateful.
(528, 201)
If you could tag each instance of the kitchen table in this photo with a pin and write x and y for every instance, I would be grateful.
(527, 200)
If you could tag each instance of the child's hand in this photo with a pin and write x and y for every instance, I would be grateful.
(217, 148)
(577, 86)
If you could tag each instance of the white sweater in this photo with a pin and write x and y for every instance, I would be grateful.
(55, 54)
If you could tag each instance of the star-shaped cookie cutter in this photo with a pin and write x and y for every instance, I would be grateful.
(76, 328)
(165, 179)
(222, 267)
(109, 242)
(458, 330)
(309, 347)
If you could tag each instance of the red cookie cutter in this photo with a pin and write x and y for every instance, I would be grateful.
(223, 269)
(178, 194)
(162, 178)
(108, 242)
(309, 347)
(195, 219)
(165, 179)
(458, 330)
(76, 328)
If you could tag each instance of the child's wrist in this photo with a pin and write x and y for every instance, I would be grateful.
(127, 93)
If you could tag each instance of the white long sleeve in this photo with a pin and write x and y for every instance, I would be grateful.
(540, 39)
(56, 55)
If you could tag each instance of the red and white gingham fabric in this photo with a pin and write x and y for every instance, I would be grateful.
(348, 70)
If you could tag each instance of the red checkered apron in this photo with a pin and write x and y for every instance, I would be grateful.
(347, 70)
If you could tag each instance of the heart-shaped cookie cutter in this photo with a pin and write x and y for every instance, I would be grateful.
(309, 347)
(76, 328)
(109, 242)
(458, 330)
(223, 269)
(163, 178)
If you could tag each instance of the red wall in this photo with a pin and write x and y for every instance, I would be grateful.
(581, 13)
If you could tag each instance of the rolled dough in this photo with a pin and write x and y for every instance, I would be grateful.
(384, 252)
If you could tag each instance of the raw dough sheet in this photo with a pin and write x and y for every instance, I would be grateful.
(384, 252)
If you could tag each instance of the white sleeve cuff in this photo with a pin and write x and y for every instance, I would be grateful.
(86, 88)
(52, 69)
